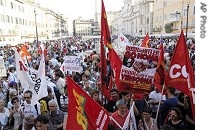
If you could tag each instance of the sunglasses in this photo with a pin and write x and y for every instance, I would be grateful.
(27, 97)
(15, 101)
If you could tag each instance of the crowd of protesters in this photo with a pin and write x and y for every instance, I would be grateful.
(17, 112)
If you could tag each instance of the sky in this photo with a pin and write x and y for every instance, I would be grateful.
(84, 8)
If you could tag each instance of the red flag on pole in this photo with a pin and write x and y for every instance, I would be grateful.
(105, 40)
(145, 42)
(116, 64)
(180, 74)
(83, 112)
(160, 74)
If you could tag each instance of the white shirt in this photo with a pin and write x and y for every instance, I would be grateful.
(29, 109)
(61, 84)
(157, 96)
(4, 116)
(12, 77)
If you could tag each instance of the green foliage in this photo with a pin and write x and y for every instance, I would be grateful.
(168, 27)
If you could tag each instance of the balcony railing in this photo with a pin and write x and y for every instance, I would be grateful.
(157, 29)
(174, 17)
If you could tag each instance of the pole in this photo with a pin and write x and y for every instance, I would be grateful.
(187, 21)
(116, 123)
(37, 39)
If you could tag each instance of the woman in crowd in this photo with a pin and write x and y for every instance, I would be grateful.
(15, 118)
(175, 119)
(4, 115)
(147, 122)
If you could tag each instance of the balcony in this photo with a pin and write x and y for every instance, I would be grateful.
(157, 29)
(174, 17)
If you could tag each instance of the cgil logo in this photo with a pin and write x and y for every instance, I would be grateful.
(176, 71)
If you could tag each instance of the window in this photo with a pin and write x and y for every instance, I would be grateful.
(9, 31)
(165, 16)
(184, 24)
(8, 19)
(19, 8)
(193, 23)
(164, 4)
(184, 11)
(1, 2)
(16, 19)
(11, 5)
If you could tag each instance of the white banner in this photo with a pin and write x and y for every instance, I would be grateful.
(139, 65)
(31, 81)
(71, 63)
(2, 67)
(130, 121)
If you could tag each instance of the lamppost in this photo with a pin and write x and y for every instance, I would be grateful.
(37, 39)
(187, 21)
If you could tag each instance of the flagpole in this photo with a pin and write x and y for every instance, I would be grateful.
(116, 122)
(159, 102)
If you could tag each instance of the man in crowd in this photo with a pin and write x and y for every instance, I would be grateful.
(55, 116)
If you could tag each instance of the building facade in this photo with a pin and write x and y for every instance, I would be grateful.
(135, 17)
(138, 17)
(83, 27)
(57, 25)
(171, 15)
(20, 18)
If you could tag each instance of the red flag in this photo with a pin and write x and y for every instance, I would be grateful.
(116, 64)
(160, 74)
(105, 40)
(145, 42)
(83, 112)
(180, 74)
(105, 33)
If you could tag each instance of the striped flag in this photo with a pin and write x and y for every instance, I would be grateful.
(130, 121)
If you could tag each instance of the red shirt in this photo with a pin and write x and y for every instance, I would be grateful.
(119, 119)
(45, 52)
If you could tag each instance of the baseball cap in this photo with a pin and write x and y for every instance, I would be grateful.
(12, 83)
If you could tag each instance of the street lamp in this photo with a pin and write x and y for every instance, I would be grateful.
(37, 40)
(187, 20)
